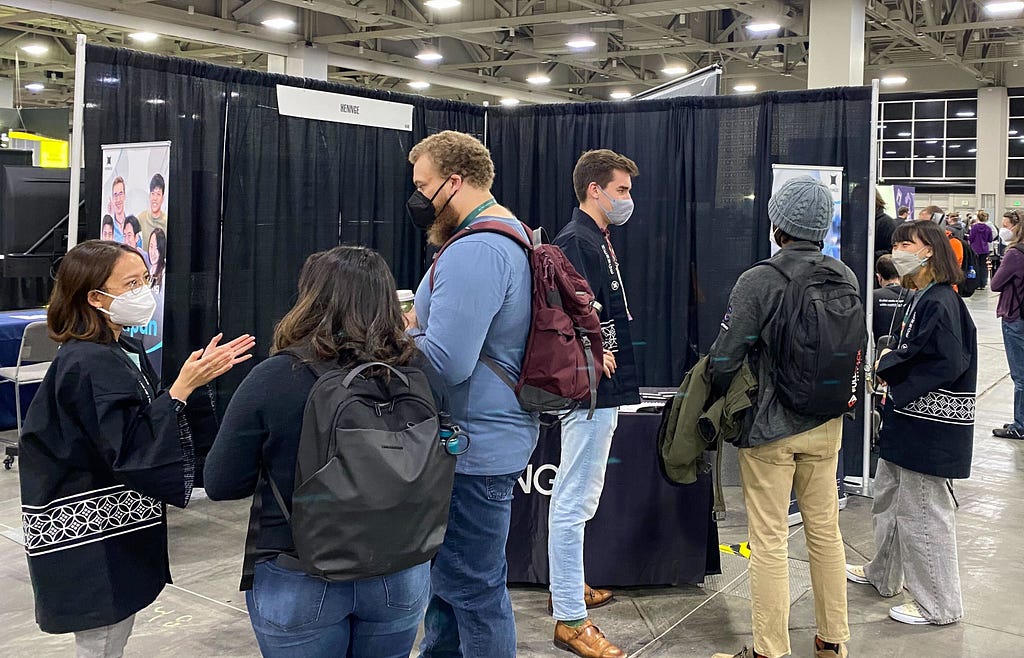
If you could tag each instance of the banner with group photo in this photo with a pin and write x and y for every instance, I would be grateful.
(134, 212)
(833, 178)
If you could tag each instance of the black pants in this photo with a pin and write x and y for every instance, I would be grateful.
(982, 270)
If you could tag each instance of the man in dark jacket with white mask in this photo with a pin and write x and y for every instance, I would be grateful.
(602, 180)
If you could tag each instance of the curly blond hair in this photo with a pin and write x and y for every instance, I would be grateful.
(457, 153)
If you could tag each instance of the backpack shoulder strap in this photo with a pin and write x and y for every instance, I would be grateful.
(491, 226)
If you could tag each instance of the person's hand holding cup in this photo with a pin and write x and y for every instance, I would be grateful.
(407, 299)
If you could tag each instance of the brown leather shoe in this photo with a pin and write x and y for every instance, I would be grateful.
(587, 641)
(594, 598)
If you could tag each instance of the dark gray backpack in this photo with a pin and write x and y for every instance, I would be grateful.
(372, 481)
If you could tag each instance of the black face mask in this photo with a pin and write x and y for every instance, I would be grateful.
(421, 208)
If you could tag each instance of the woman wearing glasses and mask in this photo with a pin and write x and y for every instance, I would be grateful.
(927, 434)
(105, 448)
(1008, 281)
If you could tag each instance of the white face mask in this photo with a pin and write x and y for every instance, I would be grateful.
(134, 308)
(908, 262)
(1006, 234)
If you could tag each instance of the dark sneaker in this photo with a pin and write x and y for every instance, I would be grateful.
(1008, 433)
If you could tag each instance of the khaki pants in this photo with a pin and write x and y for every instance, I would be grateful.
(807, 464)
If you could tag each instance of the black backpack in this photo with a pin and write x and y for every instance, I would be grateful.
(970, 267)
(820, 335)
(373, 482)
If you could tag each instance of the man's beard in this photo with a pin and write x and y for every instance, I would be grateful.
(443, 227)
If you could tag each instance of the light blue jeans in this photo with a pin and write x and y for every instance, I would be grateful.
(574, 498)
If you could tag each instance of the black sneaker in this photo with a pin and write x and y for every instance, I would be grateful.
(1008, 433)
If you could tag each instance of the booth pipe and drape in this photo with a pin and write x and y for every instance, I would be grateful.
(252, 193)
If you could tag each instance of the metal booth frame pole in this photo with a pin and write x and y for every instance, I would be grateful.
(866, 487)
(77, 120)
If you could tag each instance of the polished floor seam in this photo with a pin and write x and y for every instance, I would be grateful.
(671, 628)
(207, 598)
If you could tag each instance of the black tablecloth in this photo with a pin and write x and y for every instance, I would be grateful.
(647, 530)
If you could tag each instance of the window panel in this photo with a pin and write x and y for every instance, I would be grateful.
(930, 130)
(896, 149)
(961, 128)
(928, 147)
(900, 168)
(928, 168)
(895, 111)
(960, 168)
(930, 109)
(1015, 168)
(967, 107)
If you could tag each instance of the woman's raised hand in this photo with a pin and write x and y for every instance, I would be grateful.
(205, 365)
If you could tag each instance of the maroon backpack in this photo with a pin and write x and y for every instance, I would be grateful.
(564, 356)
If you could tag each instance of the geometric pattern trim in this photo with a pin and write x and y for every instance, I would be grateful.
(609, 336)
(88, 517)
(942, 407)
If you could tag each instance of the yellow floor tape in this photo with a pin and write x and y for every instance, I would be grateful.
(742, 549)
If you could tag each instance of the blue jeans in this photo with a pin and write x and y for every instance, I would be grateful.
(574, 498)
(1013, 341)
(295, 615)
(470, 612)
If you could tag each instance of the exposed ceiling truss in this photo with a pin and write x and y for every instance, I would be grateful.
(490, 47)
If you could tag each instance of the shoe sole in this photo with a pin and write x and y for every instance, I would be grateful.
(905, 619)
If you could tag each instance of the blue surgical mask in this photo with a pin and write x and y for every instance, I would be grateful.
(621, 210)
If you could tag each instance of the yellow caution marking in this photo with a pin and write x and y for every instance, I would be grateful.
(742, 549)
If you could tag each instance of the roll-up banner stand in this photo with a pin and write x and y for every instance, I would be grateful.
(134, 212)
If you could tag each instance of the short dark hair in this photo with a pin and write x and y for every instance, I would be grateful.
(85, 268)
(134, 222)
(107, 221)
(932, 211)
(157, 181)
(886, 268)
(599, 166)
(943, 263)
(902, 211)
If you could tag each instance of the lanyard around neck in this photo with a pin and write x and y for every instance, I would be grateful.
(476, 213)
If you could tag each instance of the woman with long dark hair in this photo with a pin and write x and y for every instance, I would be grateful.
(348, 313)
(105, 448)
(157, 248)
(927, 434)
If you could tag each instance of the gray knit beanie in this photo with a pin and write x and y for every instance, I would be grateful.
(802, 208)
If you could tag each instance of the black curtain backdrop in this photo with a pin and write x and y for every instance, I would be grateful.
(701, 198)
(253, 193)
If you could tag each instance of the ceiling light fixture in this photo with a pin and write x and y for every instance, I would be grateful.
(890, 152)
(675, 70)
(965, 113)
(35, 87)
(143, 37)
(419, 84)
(36, 49)
(156, 101)
(745, 88)
(972, 150)
(509, 102)
(429, 55)
(903, 134)
(538, 79)
(1004, 7)
(932, 141)
(581, 42)
(761, 28)
(893, 80)
(620, 95)
(442, 4)
(1013, 132)
(279, 23)
(954, 146)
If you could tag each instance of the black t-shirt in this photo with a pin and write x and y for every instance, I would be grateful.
(890, 303)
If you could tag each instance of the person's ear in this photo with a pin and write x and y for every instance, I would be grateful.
(95, 299)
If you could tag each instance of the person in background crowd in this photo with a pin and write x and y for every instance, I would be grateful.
(294, 613)
(105, 447)
(107, 228)
(955, 225)
(890, 298)
(884, 226)
(902, 215)
(784, 450)
(157, 257)
(602, 180)
(154, 217)
(997, 247)
(926, 436)
(979, 237)
(1008, 281)
(478, 306)
(116, 207)
(937, 216)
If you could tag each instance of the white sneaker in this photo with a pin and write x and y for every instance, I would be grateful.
(908, 613)
(855, 574)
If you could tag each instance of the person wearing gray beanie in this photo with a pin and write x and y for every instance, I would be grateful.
(790, 446)
(802, 209)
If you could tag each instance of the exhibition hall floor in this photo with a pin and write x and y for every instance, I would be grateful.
(203, 614)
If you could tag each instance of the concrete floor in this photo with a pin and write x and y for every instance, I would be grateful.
(203, 614)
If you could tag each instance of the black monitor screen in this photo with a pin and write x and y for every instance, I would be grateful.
(32, 200)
